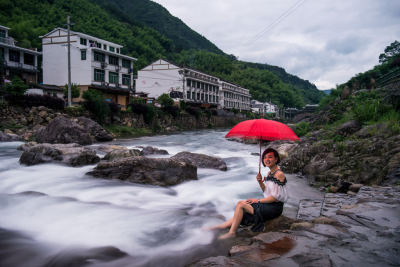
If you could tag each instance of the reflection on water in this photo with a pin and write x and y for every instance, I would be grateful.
(59, 208)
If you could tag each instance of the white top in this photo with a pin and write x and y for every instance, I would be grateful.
(275, 188)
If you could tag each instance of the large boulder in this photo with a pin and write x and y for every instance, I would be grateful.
(201, 160)
(9, 137)
(348, 128)
(62, 130)
(122, 153)
(94, 129)
(155, 171)
(69, 154)
(149, 150)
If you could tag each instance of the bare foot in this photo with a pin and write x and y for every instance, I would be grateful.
(226, 236)
(212, 228)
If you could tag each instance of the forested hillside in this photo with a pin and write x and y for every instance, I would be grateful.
(148, 32)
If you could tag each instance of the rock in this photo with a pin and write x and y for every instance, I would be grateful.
(70, 154)
(325, 220)
(301, 225)
(343, 186)
(62, 130)
(355, 187)
(333, 189)
(345, 93)
(351, 193)
(94, 129)
(109, 148)
(155, 171)
(311, 259)
(201, 160)
(4, 137)
(348, 128)
(149, 150)
(217, 261)
(121, 153)
(7, 131)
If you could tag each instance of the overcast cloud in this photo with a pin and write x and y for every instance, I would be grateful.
(323, 41)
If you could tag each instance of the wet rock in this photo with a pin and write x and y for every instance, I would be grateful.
(201, 160)
(312, 259)
(355, 187)
(109, 148)
(121, 153)
(94, 129)
(301, 225)
(155, 171)
(9, 137)
(149, 150)
(70, 154)
(62, 130)
(218, 261)
(325, 220)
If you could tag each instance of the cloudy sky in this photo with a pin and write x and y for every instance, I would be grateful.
(323, 41)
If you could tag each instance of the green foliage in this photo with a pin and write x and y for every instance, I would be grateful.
(75, 92)
(95, 103)
(392, 51)
(302, 128)
(182, 105)
(165, 100)
(368, 107)
(75, 111)
(137, 100)
(17, 87)
(150, 113)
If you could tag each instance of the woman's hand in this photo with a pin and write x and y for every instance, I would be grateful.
(259, 178)
(252, 200)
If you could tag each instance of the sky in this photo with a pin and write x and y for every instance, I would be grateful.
(324, 41)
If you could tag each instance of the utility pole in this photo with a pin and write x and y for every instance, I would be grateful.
(69, 63)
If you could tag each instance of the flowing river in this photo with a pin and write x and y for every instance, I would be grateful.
(52, 214)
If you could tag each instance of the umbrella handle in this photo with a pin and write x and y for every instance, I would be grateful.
(259, 162)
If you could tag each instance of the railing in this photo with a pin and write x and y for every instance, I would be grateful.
(392, 76)
(7, 40)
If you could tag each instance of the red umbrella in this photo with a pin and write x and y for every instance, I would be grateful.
(262, 129)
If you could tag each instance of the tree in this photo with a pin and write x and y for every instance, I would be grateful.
(75, 92)
(17, 87)
(96, 104)
(392, 51)
(165, 100)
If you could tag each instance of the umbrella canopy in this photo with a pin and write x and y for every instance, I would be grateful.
(262, 129)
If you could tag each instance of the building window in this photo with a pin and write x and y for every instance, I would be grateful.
(83, 54)
(29, 59)
(104, 46)
(91, 43)
(112, 49)
(1, 53)
(98, 75)
(83, 41)
(126, 63)
(193, 95)
(198, 96)
(198, 85)
(118, 50)
(13, 55)
(113, 77)
(99, 57)
(188, 83)
(126, 79)
(113, 60)
(98, 45)
(188, 94)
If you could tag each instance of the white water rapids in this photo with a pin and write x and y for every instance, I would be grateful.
(57, 208)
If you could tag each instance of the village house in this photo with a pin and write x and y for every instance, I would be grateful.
(190, 85)
(263, 107)
(234, 96)
(17, 61)
(95, 64)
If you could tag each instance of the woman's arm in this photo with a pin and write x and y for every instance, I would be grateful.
(269, 199)
(260, 182)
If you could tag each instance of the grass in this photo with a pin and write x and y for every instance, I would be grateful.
(126, 131)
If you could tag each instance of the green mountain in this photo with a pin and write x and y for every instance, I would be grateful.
(148, 32)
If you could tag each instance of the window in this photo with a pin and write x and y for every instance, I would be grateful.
(202, 96)
(198, 85)
(113, 77)
(98, 45)
(126, 63)
(1, 53)
(198, 96)
(118, 50)
(83, 54)
(113, 60)
(104, 46)
(202, 85)
(91, 43)
(188, 94)
(13, 55)
(126, 79)
(112, 49)
(98, 75)
(188, 83)
(99, 57)
(193, 95)
(83, 41)
(29, 59)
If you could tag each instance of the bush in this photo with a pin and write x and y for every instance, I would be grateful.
(174, 111)
(17, 87)
(194, 111)
(147, 110)
(165, 100)
(36, 100)
(75, 91)
(182, 105)
(95, 103)
(302, 128)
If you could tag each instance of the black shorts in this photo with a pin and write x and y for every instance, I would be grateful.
(262, 213)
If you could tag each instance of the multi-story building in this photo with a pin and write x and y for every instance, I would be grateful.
(95, 64)
(17, 61)
(188, 84)
(234, 96)
(263, 107)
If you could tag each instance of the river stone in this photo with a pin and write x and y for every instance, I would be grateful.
(201, 160)
(218, 261)
(109, 148)
(94, 129)
(9, 137)
(70, 154)
(348, 128)
(121, 153)
(142, 170)
(149, 150)
(62, 130)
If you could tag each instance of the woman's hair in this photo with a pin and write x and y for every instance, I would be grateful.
(268, 150)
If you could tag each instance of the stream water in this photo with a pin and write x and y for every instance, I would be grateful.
(52, 214)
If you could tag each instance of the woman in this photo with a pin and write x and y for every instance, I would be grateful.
(257, 211)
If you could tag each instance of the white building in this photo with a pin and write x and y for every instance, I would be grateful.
(184, 83)
(17, 61)
(95, 63)
(234, 96)
(263, 107)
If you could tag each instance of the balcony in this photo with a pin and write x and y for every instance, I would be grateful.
(7, 40)
(20, 66)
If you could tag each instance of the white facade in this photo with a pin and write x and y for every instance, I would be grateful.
(263, 107)
(94, 61)
(190, 85)
(17, 60)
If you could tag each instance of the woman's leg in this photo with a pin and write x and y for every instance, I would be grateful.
(241, 207)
